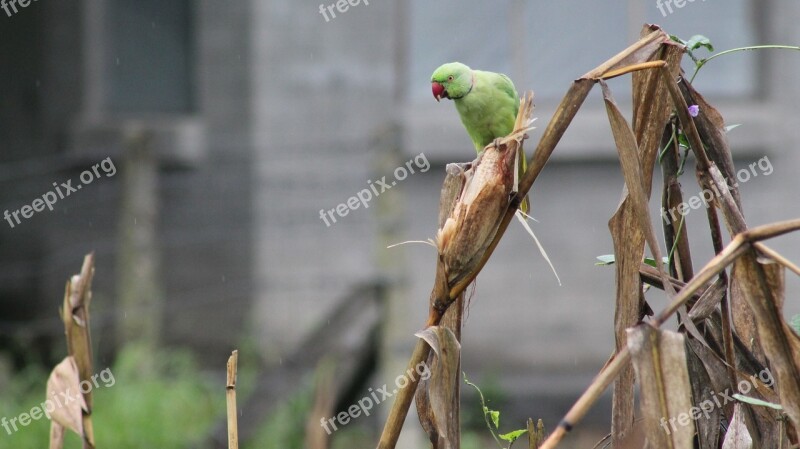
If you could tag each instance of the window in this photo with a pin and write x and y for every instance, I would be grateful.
(148, 61)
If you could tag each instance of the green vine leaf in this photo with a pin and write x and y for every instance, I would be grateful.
(683, 141)
(754, 401)
(609, 259)
(652, 262)
(495, 417)
(699, 41)
(512, 436)
(606, 259)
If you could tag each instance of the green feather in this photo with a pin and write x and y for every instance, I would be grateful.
(487, 103)
(489, 110)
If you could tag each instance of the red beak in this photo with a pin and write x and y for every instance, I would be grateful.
(438, 91)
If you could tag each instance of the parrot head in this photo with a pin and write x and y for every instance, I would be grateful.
(452, 80)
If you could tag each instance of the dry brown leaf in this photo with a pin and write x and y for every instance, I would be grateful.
(708, 301)
(443, 384)
(711, 127)
(708, 425)
(659, 358)
(763, 289)
(56, 435)
(75, 314)
(651, 112)
(63, 394)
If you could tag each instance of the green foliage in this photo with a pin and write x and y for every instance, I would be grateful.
(699, 41)
(167, 407)
(754, 401)
(512, 436)
(609, 259)
(605, 259)
(494, 415)
(26, 390)
(668, 262)
(652, 262)
(694, 43)
(492, 418)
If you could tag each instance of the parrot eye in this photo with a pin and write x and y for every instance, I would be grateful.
(450, 78)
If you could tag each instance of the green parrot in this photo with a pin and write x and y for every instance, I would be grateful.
(487, 103)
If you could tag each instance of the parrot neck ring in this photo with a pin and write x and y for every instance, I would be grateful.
(471, 85)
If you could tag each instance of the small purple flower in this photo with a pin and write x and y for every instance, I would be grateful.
(694, 110)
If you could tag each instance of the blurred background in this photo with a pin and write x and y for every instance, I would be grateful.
(236, 128)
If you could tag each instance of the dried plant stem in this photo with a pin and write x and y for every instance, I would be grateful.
(634, 68)
(230, 396)
(75, 314)
(552, 134)
(402, 401)
(739, 245)
(556, 128)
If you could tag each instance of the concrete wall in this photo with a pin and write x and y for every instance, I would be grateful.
(317, 103)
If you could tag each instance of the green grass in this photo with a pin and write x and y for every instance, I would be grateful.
(167, 407)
